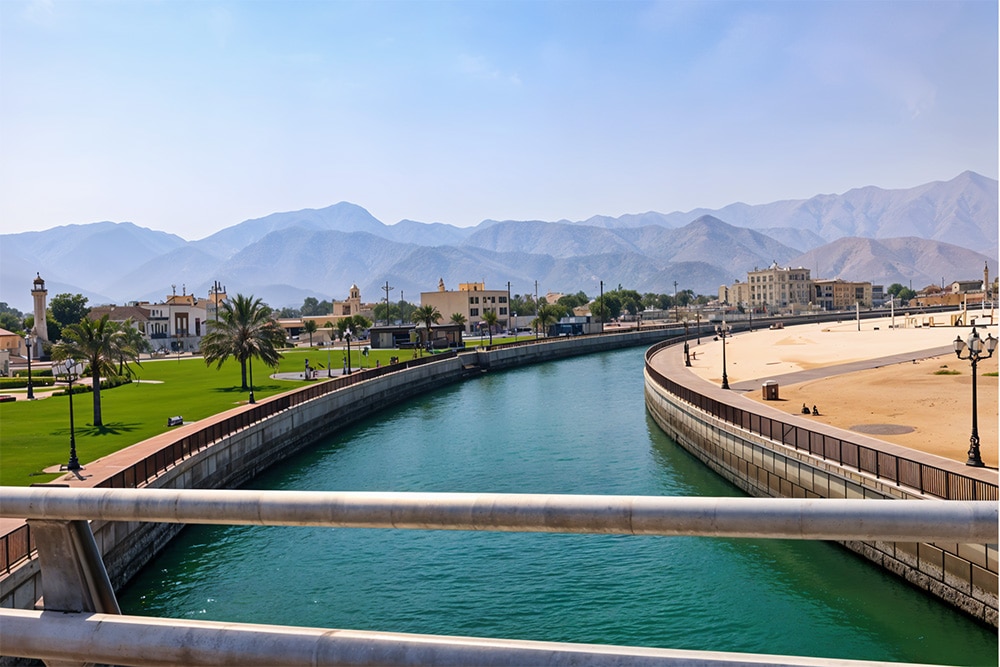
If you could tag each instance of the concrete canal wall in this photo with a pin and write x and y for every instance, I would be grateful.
(964, 575)
(231, 457)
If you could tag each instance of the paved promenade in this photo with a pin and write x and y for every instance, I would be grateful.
(899, 385)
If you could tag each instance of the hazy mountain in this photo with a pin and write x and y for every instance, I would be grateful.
(961, 211)
(907, 260)
(342, 217)
(421, 233)
(868, 233)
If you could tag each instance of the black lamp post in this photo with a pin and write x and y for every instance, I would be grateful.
(30, 342)
(347, 337)
(687, 348)
(71, 369)
(973, 348)
(722, 335)
(250, 365)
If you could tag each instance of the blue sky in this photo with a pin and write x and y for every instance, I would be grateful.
(188, 117)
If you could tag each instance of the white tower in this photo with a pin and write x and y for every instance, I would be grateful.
(38, 293)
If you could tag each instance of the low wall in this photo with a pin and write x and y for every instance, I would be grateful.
(234, 458)
(244, 441)
(964, 575)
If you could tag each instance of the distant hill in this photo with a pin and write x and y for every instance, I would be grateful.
(907, 261)
(920, 235)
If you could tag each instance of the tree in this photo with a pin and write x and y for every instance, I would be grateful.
(428, 316)
(547, 316)
(310, 306)
(571, 301)
(68, 308)
(459, 319)
(358, 323)
(133, 343)
(309, 326)
(101, 344)
(491, 319)
(246, 329)
(10, 318)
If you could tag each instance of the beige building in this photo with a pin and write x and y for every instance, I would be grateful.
(178, 323)
(780, 288)
(736, 294)
(471, 300)
(837, 294)
(340, 309)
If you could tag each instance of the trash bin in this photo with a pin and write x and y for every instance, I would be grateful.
(770, 390)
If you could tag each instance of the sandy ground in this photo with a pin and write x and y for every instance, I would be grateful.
(932, 412)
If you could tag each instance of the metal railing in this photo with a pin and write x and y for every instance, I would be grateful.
(903, 471)
(82, 636)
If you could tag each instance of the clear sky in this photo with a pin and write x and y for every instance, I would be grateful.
(191, 116)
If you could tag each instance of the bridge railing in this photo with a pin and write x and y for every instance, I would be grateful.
(80, 627)
(903, 471)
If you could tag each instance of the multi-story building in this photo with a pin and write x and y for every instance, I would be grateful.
(736, 294)
(471, 300)
(779, 288)
(179, 322)
(837, 294)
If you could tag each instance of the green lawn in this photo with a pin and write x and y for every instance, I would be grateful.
(35, 434)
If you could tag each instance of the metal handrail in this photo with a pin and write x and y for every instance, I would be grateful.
(786, 518)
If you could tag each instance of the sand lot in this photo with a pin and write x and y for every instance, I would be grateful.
(919, 405)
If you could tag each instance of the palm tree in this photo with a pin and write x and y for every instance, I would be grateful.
(428, 316)
(491, 319)
(245, 330)
(547, 314)
(101, 343)
(134, 344)
(309, 326)
(459, 319)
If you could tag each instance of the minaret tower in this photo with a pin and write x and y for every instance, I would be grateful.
(38, 293)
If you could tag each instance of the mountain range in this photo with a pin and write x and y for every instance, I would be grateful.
(940, 231)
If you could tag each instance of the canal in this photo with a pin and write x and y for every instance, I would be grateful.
(572, 426)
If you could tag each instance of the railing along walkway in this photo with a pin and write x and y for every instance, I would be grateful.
(879, 461)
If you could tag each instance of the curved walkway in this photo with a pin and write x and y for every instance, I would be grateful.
(905, 386)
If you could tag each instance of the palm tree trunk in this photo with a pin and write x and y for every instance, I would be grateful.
(243, 368)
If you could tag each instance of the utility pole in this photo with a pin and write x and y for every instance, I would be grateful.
(387, 288)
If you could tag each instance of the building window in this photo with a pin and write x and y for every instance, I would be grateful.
(503, 299)
(503, 311)
(473, 312)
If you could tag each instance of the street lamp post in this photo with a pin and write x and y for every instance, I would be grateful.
(251, 400)
(30, 342)
(71, 369)
(347, 337)
(722, 335)
(973, 348)
(687, 348)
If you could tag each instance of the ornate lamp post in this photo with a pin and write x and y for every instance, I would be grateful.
(973, 349)
(71, 369)
(29, 340)
(723, 333)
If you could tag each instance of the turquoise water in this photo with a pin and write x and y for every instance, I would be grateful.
(573, 426)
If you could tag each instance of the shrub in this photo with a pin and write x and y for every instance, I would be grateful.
(21, 382)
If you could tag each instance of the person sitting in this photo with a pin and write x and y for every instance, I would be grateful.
(815, 411)
(805, 410)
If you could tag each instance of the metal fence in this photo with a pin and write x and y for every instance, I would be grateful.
(927, 479)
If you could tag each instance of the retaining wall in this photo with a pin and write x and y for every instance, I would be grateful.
(964, 575)
(235, 458)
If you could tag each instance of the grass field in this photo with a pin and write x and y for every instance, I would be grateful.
(34, 435)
